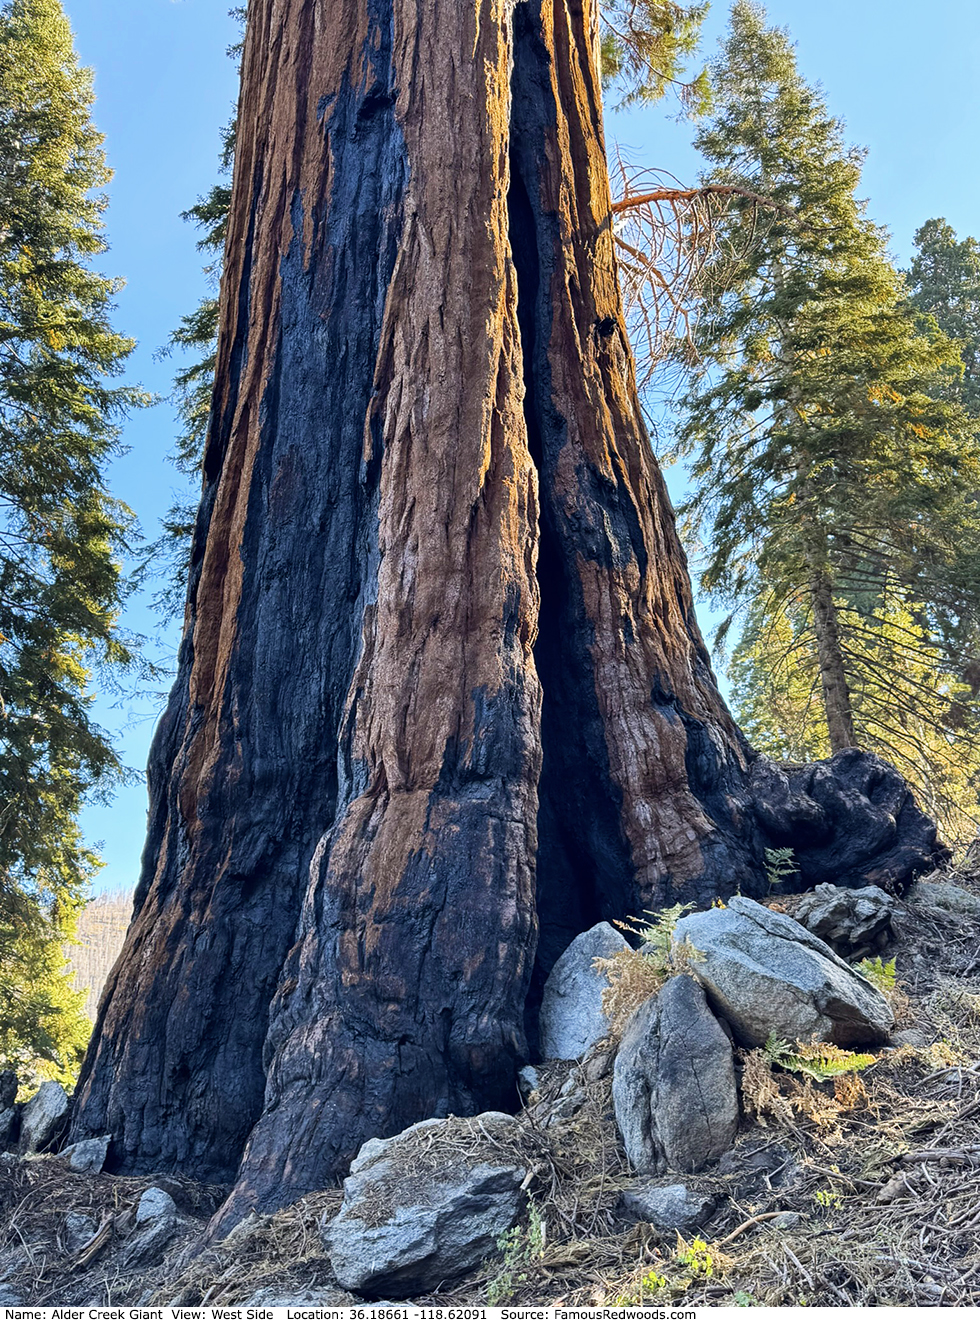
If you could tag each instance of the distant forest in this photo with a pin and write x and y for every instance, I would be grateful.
(101, 927)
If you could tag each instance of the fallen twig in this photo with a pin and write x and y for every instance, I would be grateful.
(747, 1225)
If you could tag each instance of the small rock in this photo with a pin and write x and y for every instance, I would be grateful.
(12, 1261)
(8, 1089)
(571, 1098)
(43, 1117)
(155, 1205)
(944, 897)
(9, 1126)
(854, 923)
(528, 1081)
(674, 1088)
(598, 1065)
(155, 1225)
(148, 1245)
(281, 1296)
(79, 1229)
(571, 1018)
(910, 1037)
(786, 1221)
(419, 1211)
(88, 1154)
(668, 1207)
(765, 973)
(757, 1167)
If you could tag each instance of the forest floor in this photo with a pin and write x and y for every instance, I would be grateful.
(863, 1193)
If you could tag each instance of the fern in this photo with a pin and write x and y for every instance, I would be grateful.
(658, 933)
(879, 973)
(780, 866)
(633, 975)
(817, 1060)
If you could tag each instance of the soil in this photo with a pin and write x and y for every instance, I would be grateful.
(864, 1191)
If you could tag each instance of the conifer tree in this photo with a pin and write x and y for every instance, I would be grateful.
(61, 532)
(835, 481)
(918, 715)
(644, 45)
(944, 282)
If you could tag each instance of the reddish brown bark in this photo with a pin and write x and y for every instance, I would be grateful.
(441, 687)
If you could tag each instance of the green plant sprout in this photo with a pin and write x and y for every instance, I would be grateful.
(879, 973)
(780, 867)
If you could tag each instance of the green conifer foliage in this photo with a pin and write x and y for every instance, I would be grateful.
(61, 533)
(835, 479)
(944, 282)
(645, 44)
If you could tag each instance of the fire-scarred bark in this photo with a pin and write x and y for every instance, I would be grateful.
(441, 687)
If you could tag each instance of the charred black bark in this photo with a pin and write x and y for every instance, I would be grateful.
(176, 1071)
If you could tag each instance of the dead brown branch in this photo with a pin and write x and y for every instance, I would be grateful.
(630, 201)
(666, 235)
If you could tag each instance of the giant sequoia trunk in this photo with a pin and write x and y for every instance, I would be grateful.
(442, 701)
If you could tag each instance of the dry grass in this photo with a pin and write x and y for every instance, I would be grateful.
(863, 1191)
(282, 1252)
(883, 1195)
(36, 1259)
(633, 978)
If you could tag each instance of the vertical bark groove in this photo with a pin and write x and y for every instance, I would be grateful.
(641, 791)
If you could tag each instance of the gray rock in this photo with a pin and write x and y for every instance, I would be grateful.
(528, 1080)
(12, 1261)
(425, 1206)
(570, 1100)
(757, 1166)
(156, 1224)
(598, 1065)
(281, 1296)
(8, 1089)
(666, 1206)
(88, 1154)
(674, 1088)
(571, 1019)
(911, 1037)
(786, 1221)
(9, 1126)
(79, 1229)
(148, 1244)
(944, 897)
(155, 1205)
(9, 1297)
(765, 973)
(153, 1229)
(43, 1117)
(852, 922)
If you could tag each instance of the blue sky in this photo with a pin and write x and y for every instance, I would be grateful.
(904, 77)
